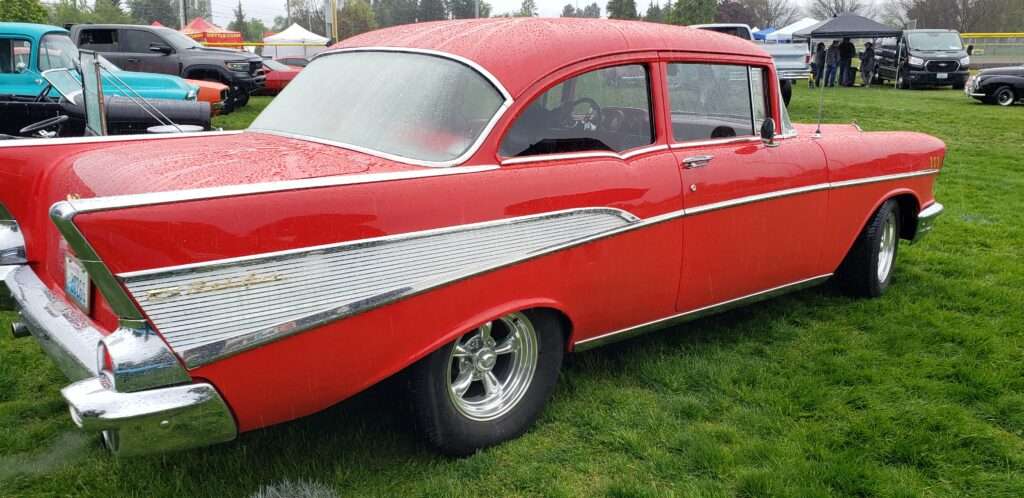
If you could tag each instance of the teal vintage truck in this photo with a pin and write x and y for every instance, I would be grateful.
(26, 50)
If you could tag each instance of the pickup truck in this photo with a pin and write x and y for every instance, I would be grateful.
(924, 57)
(157, 49)
(792, 60)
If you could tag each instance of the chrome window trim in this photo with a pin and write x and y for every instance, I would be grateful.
(629, 154)
(717, 141)
(31, 142)
(507, 103)
(686, 316)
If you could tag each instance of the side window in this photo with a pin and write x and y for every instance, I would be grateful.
(604, 110)
(12, 53)
(100, 40)
(138, 41)
(759, 97)
(710, 101)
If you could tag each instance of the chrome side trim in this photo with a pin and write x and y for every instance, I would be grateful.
(883, 178)
(687, 316)
(584, 155)
(484, 133)
(926, 221)
(31, 142)
(216, 309)
(12, 242)
(154, 198)
(715, 206)
(154, 421)
(717, 141)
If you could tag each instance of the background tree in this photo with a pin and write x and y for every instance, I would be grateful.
(466, 9)
(824, 9)
(22, 11)
(354, 18)
(621, 9)
(395, 12)
(773, 13)
(570, 11)
(686, 12)
(961, 15)
(527, 9)
(734, 11)
(163, 11)
(431, 10)
(654, 12)
(593, 11)
(110, 12)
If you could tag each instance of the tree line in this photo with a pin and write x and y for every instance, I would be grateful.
(359, 16)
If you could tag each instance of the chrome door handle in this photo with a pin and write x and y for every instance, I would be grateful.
(697, 161)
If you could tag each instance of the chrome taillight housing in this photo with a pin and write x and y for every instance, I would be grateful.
(12, 242)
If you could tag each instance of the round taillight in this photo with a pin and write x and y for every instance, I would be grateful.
(104, 363)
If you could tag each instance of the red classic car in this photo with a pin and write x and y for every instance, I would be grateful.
(464, 202)
(278, 76)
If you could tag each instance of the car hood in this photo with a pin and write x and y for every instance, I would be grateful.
(1003, 71)
(226, 53)
(150, 81)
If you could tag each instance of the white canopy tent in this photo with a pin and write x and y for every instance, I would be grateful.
(294, 34)
(785, 33)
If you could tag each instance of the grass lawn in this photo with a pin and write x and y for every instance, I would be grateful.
(919, 393)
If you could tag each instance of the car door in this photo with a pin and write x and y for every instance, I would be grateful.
(755, 212)
(139, 43)
(593, 140)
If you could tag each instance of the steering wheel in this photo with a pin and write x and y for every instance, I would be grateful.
(46, 123)
(595, 112)
(43, 95)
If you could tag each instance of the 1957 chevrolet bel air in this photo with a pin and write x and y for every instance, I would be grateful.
(464, 202)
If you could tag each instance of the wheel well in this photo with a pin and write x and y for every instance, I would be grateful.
(565, 324)
(205, 75)
(908, 215)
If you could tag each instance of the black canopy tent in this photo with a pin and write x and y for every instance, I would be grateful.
(848, 26)
(844, 26)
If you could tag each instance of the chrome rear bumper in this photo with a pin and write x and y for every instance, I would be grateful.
(926, 220)
(146, 420)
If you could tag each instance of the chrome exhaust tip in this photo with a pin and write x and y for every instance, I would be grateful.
(19, 330)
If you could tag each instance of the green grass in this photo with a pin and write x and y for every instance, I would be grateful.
(919, 393)
(242, 117)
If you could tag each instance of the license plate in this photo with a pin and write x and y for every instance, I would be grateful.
(76, 282)
(942, 76)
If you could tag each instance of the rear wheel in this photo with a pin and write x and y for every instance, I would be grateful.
(902, 82)
(1004, 96)
(867, 269)
(489, 385)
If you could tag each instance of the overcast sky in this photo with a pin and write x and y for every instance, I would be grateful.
(268, 9)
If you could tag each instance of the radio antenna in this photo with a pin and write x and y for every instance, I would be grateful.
(821, 89)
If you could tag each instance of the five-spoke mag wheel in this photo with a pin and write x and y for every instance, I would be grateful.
(868, 267)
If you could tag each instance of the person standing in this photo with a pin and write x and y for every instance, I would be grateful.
(818, 65)
(846, 53)
(831, 63)
(867, 64)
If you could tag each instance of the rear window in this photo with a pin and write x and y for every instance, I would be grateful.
(100, 40)
(12, 53)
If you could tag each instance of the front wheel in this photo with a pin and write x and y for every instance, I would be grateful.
(489, 385)
(1004, 96)
(867, 269)
(902, 82)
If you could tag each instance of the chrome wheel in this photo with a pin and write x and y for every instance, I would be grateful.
(490, 368)
(1004, 97)
(887, 247)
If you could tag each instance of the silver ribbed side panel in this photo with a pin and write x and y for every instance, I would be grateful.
(211, 310)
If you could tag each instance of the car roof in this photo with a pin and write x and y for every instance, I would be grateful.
(29, 29)
(519, 51)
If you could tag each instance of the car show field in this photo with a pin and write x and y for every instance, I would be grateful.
(920, 392)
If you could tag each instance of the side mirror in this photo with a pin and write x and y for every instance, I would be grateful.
(768, 132)
(20, 67)
(160, 49)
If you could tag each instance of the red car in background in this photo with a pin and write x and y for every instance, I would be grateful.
(278, 76)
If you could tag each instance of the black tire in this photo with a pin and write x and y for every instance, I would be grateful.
(902, 82)
(1004, 96)
(860, 273)
(455, 433)
(786, 87)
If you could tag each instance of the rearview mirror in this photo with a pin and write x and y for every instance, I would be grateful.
(160, 49)
(20, 67)
(768, 132)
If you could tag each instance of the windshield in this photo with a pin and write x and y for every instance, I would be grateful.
(66, 83)
(934, 40)
(177, 40)
(414, 106)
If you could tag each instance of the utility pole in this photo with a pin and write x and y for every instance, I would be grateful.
(476, 9)
(334, 22)
(182, 16)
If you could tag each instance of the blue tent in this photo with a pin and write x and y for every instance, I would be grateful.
(760, 34)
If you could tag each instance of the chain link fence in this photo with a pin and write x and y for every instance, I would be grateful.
(995, 49)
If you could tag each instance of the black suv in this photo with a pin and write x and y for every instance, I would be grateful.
(925, 57)
(156, 49)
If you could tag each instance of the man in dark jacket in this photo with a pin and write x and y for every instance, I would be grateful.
(846, 53)
(831, 63)
(867, 64)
